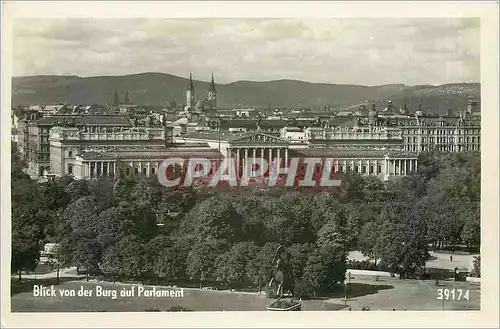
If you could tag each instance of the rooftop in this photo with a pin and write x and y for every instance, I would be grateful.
(160, 154)
(354, 153)
(82, 120)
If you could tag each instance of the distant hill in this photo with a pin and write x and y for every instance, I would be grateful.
(160, 89)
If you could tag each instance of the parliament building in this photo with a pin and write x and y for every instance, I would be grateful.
(385, 144)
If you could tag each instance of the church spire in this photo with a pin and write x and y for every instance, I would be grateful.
(190, 82)
(190, 98)
(212, 94)
(212, 84)
(127, 99)
(116, 99)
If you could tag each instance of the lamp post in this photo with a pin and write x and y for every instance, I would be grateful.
(345, 287)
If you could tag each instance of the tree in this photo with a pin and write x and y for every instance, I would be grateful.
(25, 254)
(402, 246)
(122, 188)
(55, 196)
(299, 254)
(27, 229)
(231, 267)
(314, 272)
(133, 256)
(201, 259)
(214, 218)
(260, 269)
(253, 213)
(368, 240)
(331, 235)
(325, 207)
(147, 192)
(77, 235)
(471, 234)
(77, 189)
(102, 192)
(169, 260)
(111, 262)
(113, 225)
(288, 222)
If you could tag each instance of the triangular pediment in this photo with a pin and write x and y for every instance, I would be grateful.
(258, 137)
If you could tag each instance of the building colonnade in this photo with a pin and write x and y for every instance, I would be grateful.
(366, 166)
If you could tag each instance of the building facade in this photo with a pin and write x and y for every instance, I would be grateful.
(34, 134)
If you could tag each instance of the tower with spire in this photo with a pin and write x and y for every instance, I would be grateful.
(212, 94)
(116, 99)
(190, 97)
(127, 98)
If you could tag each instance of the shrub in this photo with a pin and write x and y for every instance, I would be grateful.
(179, 309)
(476, 267)
(302, 291)
(152, 310)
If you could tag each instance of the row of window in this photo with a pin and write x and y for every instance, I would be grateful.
(447, 140)
(451, 131)
(128, 171)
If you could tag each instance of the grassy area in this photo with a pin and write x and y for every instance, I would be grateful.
(386, 294)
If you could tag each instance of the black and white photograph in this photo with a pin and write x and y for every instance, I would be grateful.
(270, 164)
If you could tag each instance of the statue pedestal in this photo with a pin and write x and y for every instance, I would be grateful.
(287, 304)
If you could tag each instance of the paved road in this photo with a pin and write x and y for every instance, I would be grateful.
(69, 272)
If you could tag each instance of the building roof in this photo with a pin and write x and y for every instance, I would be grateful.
(341, 120)
(356, 141)
(229, 137)
(352, 153)
(158, 155)
(293, 129)
(86, 120)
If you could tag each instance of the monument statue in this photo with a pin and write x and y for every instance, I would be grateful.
(283, 281)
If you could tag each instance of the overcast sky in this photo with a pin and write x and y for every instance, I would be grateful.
(344, 51)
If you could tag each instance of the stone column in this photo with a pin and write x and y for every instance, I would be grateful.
(394, 167)
(148, 169)
(278, 156)
(270, 156)
(286, 155)
(262, 158)
(254, 152)
(246, 153)
(238, 162)
(140, 167)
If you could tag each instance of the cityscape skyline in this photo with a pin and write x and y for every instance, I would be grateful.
(365, 51)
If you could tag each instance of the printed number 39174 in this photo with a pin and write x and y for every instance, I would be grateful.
(452, 294)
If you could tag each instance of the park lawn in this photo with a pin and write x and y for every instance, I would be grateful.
(194, 299)
(392, 294)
